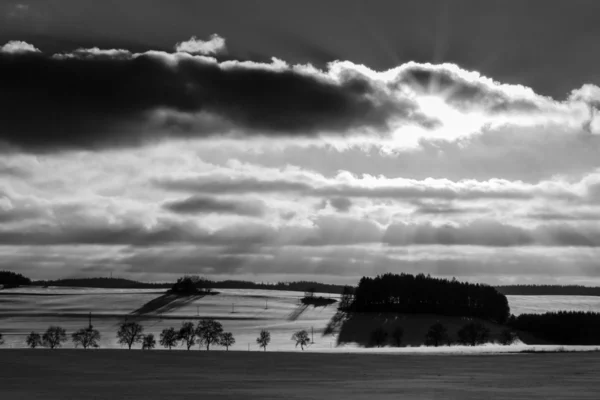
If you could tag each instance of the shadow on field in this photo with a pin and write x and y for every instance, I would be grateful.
(358, 327)
(168, 302)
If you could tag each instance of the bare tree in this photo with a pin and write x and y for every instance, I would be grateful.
(187, 334)
(54, 337)
(226, 340)
(397, 335)
(379, 336)
(33, 340)
(130, 333)
(169, 338)
(209, 331)
(263, 339)
(301, 338)
(148, 343)
(436, 334)
(86, 337)
(473, 334)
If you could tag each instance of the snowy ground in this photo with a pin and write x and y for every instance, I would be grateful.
(242, 312)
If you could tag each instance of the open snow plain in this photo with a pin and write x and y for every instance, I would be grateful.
(244, 312)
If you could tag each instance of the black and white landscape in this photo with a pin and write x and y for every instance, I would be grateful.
(407, 177)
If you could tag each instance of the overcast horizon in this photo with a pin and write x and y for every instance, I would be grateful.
(300, 141)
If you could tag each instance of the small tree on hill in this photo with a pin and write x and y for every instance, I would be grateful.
(226, 340)
(86, 337)
(263, 339)
(33, 340)
(301, 338)
(148, 343)
(209, 331)
(169, 338)
(187, 334)
(379, 336)
(436, 334)
(54, 337)
(473, 334)
(397, 335)
(507, 337)
(130, 333)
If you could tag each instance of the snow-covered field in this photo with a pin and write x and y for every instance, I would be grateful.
(542, 304)
(244, 312)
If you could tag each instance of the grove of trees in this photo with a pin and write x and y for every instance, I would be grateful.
(420, 294)
(563, 327)
(10, 279)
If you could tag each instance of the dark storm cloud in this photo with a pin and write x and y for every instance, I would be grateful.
(97, 98)
(207, 205)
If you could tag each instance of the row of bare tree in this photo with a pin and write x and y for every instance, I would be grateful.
(207, 332)
(472, 333)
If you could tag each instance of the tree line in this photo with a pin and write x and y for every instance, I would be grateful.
(549, 290)
(407, 293)
(10, 279)
(119, 283)
(208, 332)
(563, 327)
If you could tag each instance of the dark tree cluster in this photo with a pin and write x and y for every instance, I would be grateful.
(563, 327)
(10, 279)
(420, 294)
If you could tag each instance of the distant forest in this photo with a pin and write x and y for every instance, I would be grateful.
(563, 327)
(549, 290)
(407, 293)
(10, 279)
(119, 283)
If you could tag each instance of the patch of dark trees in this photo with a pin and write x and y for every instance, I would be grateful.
(422, 294)
(310, 299)
(563, 327)
(549, 290)
(10, 279)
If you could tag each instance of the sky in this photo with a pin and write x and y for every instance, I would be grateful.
(285, 140)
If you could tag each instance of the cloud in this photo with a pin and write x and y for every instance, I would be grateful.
(215, 45)
(114, 98)
(349, 186)
(206, 205)
(341, 204)
(18, 47)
